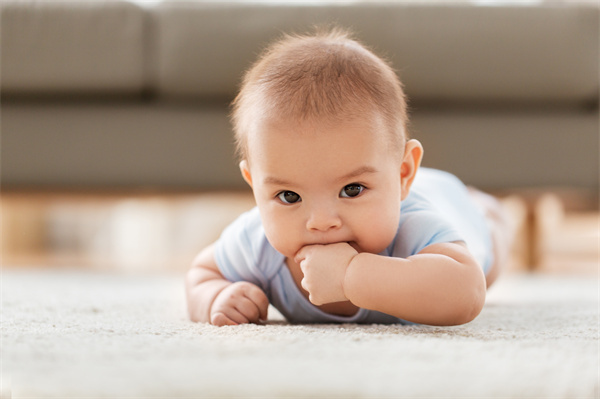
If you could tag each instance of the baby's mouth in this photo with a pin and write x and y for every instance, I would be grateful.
(353, 244)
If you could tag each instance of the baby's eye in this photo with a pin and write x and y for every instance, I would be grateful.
(288, 197)
(352, 190)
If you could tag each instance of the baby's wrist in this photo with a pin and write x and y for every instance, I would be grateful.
(352, 273)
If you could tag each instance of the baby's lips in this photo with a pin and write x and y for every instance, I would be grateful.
(299, 257)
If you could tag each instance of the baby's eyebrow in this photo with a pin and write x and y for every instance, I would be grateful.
(357, 172)
(275, 181)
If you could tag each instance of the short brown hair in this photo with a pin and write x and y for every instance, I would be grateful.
(323, 76)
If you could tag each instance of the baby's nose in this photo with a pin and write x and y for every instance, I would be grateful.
(323, 219)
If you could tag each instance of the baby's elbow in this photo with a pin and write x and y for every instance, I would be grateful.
(461, 314)
(475, 307)
(474, 295)
(472, 305)
(466, 304)
(191, 283)
(471, 290)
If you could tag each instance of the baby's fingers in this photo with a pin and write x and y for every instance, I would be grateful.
(259, 300)
(249, 310)
(230, 317)
(220, 319)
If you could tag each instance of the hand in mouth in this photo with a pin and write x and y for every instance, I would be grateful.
(353, 244)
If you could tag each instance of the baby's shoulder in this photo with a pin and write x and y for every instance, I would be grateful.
(245, 241)
(245, 231)
(423, 221)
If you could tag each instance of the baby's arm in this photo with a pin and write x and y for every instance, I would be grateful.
(212, 298)
(441, 285)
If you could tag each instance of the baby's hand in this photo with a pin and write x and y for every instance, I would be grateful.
(324, 268)
(239, 303)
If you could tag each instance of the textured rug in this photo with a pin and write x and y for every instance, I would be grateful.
(88, 334)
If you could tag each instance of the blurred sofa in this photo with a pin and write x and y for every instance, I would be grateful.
(125, 94)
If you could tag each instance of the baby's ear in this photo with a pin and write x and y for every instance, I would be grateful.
(413, 153)
(246, 172)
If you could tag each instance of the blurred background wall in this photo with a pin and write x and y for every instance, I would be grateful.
(112, 93)
(110, 96)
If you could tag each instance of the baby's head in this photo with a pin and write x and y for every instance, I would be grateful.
(318, 79)
(320, 124)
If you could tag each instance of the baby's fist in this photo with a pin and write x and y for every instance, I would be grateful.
(324, 269)
(239, 303)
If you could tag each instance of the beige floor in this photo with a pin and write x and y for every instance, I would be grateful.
(89, 334)
(100, 325)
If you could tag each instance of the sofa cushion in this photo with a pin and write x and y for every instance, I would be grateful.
(116, 145)
(448, 53)
(68, 47)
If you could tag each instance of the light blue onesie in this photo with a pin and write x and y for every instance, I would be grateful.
(438, 209)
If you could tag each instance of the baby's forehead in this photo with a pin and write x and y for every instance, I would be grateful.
(266, 131)
(372, 122)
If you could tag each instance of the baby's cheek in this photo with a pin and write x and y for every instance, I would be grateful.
(378, 236)
(282, 241)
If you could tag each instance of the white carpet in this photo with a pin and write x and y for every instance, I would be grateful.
(88, 334)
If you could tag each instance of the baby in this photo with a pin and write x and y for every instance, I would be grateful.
(347, 227)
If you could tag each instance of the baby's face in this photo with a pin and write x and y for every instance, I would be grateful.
(325, 185)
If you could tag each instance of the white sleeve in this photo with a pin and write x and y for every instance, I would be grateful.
(238, 250)
(419, 230)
